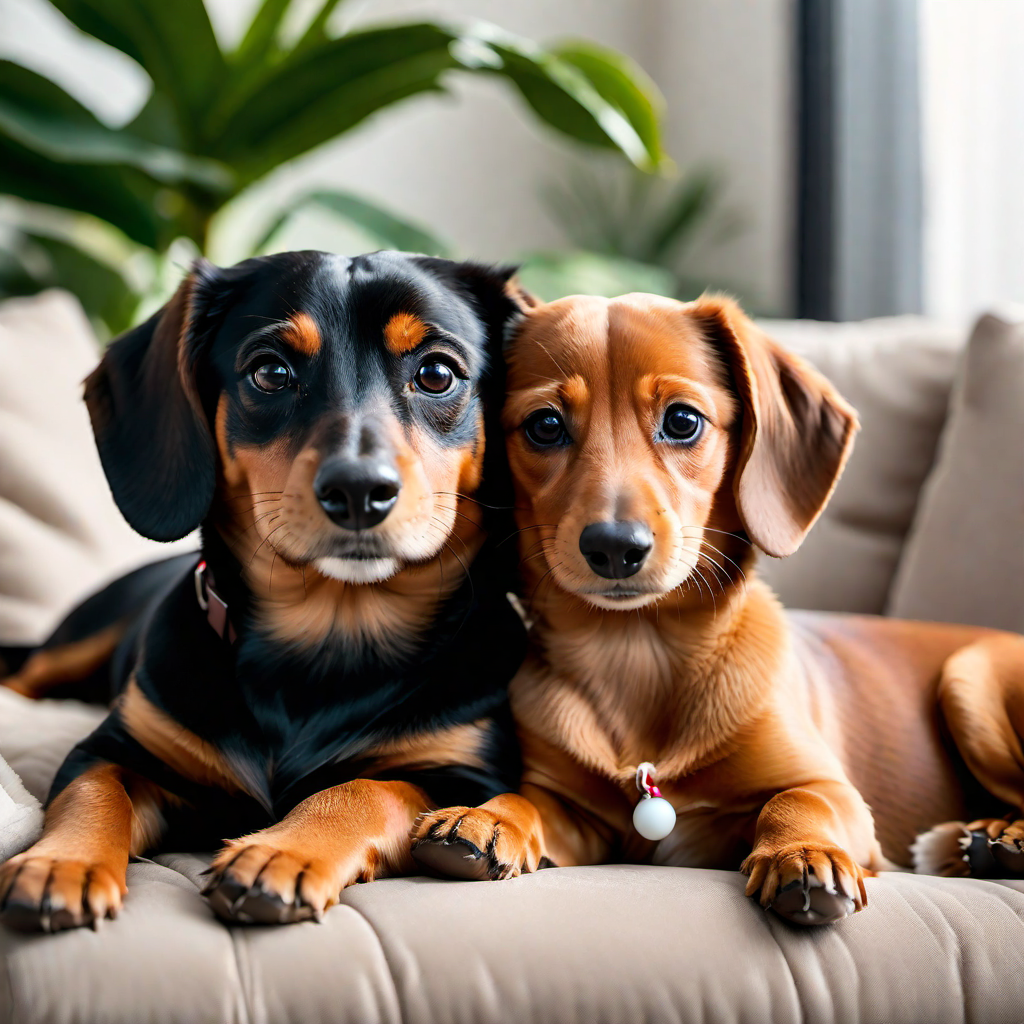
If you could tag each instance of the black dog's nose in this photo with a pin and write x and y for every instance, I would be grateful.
(616, 550)
(357, 493)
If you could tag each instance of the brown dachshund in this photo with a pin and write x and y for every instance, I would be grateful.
(653, 444)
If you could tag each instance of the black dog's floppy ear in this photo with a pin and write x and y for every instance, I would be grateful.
(797, 430)
(153, 437)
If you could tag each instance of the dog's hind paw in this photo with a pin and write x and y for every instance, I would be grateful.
(1007, 846)
(986, 848)
(943, 850)
(807, 884)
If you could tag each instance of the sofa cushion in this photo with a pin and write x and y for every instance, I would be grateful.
(61, 536)
(964, 559)
(599, 944)
(897, 372)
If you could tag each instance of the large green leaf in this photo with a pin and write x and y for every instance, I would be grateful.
(46, 260)
(623, 84)
(382, 226)
(173, 40)
(310, 98)
(569, 100)
(39, 115)
(17, 274)
(316, 30)
(259, 43)
(314, 96)
(121, 196)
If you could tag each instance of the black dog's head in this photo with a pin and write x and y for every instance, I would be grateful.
(340, 400)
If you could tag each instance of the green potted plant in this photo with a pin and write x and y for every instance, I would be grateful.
(96, 209)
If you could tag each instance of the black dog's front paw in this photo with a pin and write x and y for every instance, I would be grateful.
(49, 894)
(251, 883)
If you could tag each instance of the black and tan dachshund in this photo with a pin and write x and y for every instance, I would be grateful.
(335, 662)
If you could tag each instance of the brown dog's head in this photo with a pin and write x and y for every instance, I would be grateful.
(645, 434)
(328, 409)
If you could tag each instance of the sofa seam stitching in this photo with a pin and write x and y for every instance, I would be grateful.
(250, 1017)
(402, 1015)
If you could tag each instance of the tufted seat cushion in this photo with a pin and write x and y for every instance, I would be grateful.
(589, 945)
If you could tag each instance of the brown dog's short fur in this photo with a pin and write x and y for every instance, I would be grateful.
(807, 749)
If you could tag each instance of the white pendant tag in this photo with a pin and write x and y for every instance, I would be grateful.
(654, 817)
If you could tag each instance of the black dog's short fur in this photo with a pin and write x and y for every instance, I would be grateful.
(290, 709)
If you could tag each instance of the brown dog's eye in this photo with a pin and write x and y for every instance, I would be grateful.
(683, 423)
(546, 428)
(435, 378)
(271, 377)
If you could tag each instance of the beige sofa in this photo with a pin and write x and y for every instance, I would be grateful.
(928, 521)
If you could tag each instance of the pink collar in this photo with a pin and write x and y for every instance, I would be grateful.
(213, 604)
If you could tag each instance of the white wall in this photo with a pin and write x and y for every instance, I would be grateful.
(972, 84)
(727, 70)
(470, 165)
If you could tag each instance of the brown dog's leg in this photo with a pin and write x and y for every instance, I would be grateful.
(800, 864)
(509, 835)
(75, 874)
(296, 869)
(982, 698)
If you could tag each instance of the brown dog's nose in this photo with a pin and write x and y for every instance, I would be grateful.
(616, 550)
(357, 493)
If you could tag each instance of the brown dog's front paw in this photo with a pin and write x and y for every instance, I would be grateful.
(474, 844)
(253, 883)
(807, 884)
(46, 894)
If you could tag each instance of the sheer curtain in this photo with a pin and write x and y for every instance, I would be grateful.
(972, 106)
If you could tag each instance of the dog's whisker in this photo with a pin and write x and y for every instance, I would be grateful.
(739, 568)
(252, 494)
(265, 541)
(710, 591)
(728, 533)
(482, 504)
(522, 530)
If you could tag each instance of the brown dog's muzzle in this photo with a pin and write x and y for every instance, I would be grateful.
(616, 550)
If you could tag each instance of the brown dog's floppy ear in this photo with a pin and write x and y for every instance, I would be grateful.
(152, 434)
(797, 430)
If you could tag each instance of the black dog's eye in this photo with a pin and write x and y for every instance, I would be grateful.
(546, 428)
(271, 377)
(435, 377)
(683, 423)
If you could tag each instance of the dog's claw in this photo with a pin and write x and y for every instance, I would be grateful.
(1007, 848)
(246, 891)
(806, 884)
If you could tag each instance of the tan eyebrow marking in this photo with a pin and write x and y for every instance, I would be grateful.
(302, 333)
(403, 332)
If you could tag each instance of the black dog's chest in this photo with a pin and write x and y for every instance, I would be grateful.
(319, 717)
(291, 721)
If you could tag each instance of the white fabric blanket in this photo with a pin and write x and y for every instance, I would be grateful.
(35, 737)
(21, 816)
